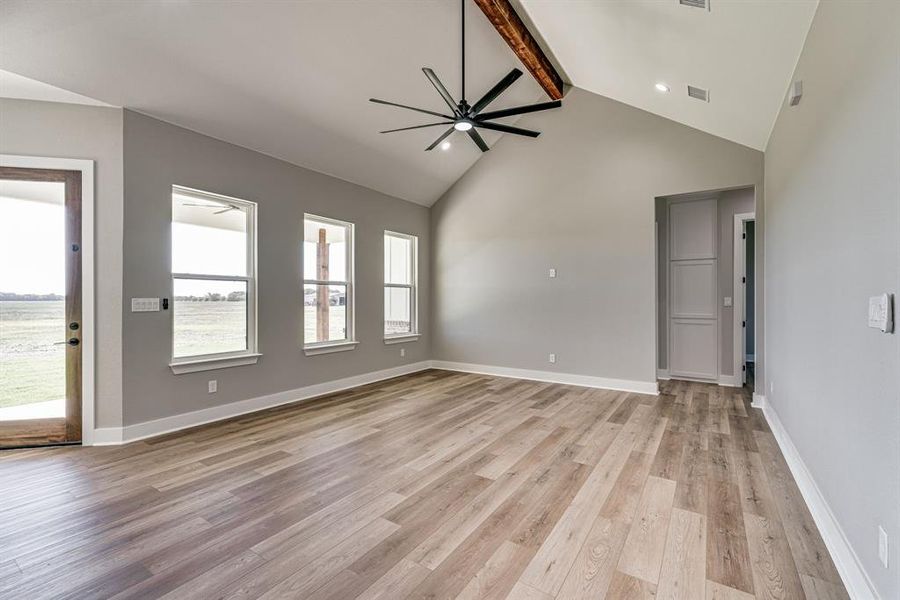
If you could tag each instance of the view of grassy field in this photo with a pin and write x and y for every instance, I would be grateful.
(32, 366)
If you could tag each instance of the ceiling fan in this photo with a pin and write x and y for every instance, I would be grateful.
(225, 208)
(470, 118)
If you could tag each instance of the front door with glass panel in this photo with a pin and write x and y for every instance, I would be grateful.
(40, 307)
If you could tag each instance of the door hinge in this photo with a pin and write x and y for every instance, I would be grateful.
(743, 280)
(743, 236)
(743, 367)
(743, 323)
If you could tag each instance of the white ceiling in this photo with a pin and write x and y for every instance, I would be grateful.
(289, 79)
(742, 51)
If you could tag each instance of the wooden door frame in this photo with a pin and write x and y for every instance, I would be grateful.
(86, 251)
(740, 294)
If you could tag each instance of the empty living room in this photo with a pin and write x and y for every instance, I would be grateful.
(449, 299)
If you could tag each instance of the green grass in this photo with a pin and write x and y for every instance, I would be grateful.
(32, 368)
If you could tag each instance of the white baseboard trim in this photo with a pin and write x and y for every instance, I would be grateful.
(625, 385)
(851, 570)
(759, 401)
(108, 436)
(663, 374)
(731, 381)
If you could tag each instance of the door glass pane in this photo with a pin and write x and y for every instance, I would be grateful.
(324, 313)
(210, 317)
(397, 317)
(397, 263)
(208, 236)
(32, 301)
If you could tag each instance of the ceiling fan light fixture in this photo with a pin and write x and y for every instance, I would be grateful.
(471, 117)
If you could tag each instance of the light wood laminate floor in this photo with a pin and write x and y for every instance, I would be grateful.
(433, 485)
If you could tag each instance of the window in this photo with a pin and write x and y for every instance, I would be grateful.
(213, 280)
(400, 257)
(327, 285)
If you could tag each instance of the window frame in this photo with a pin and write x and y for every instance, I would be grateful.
(349, 342)
(220, 360)
(413, 288)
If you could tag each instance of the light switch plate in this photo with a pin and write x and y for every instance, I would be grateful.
(552, 273)
(881, 309)
(728, 301)
(145, 305)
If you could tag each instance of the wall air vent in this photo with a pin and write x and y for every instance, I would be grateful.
(698, 93)
(695, 3)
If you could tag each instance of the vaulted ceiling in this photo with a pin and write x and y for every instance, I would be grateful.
(292, 79)
(742, 51)
(289, 79)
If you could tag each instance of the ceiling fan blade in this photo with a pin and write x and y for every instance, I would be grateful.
(440, 139)
(507, 129)
(496, 91)
(440, 89)
(519, 110)
(479, 141)
(417, 127)
(421, 110)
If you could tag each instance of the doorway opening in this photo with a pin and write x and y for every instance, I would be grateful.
(704, 278)
(745, 304)
(40, 306)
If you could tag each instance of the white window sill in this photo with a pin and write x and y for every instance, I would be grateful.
(329, 348)
(209, 364)
(401, 339)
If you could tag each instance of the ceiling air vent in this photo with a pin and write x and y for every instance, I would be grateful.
(698, 93)
(695, 3)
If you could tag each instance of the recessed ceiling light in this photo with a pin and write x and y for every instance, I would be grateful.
(462, 126)
(445, 146)
(662, 87)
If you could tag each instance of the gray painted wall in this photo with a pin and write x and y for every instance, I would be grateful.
(35, 128)
(581, 199)
(158, 155)
(833, 240)
(729, 203)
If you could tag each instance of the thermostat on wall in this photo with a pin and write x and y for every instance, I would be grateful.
(881, 312)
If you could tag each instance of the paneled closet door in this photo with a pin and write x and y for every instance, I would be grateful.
(693, 306)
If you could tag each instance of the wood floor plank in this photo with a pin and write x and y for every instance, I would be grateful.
(775, 575)
(717, 591)
(683, 572)
(642, 554)
(430, 485)
(727, 551)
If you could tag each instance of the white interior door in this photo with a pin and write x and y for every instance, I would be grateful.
(693, 306)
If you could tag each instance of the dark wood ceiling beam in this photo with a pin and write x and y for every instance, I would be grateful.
(509, 25)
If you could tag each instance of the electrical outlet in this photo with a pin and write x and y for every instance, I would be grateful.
(883, 546)
(552, 358)
(213, 386)
(552, 273)
(402, 352)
